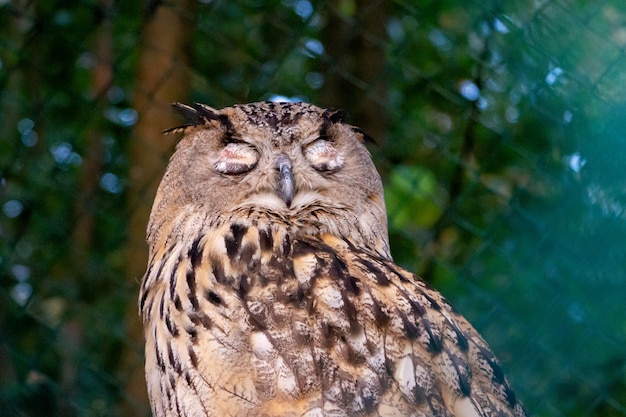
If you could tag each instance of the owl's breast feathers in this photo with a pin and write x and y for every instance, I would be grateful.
(248, 319)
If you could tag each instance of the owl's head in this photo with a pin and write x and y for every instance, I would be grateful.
(290, 165)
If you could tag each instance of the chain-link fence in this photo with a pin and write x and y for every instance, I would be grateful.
(500, 130)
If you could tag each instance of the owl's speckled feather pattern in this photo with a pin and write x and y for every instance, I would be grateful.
(270, 289)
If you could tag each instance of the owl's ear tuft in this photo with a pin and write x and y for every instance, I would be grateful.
(364, 137)
(336, 116)
(198, 115)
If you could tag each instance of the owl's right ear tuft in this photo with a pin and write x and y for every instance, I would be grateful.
(198, 115)
(364, 137)
(338, 116)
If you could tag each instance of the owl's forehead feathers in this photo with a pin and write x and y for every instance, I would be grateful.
(276, 115)
(281, 122)
(285, 123)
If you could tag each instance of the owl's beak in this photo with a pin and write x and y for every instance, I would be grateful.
(286, 184)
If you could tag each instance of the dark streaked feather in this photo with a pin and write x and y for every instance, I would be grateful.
(198, 115)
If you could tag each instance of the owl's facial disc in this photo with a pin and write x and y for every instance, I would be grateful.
(286, 185)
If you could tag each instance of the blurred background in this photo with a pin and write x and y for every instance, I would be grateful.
(500, 130)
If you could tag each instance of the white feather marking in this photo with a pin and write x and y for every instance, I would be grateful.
(331, 296)
(463, 407)
(405, 376)
(261, 345)
(286, 379)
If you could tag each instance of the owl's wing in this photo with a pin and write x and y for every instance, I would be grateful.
(379, 339)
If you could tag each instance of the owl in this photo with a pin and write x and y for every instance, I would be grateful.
(271, 291)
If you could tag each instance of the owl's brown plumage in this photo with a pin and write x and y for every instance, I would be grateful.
(270, 289)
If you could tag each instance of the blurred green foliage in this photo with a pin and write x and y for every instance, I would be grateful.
(503, 162)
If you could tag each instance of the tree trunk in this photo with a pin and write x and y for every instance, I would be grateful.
(162, 78)
(355, 44)
(83, 233)
(93, 155)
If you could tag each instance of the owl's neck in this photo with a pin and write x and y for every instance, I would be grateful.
(234, 246)
(364, 231)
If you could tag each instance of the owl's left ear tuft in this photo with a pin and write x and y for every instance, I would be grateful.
(198, 115)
